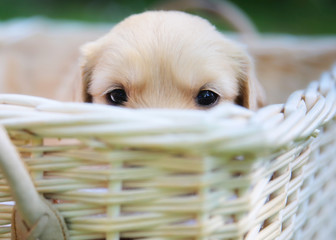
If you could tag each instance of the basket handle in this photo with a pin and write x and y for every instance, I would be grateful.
(226, 10)
(33, 216)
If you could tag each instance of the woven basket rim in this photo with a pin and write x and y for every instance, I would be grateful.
(269, 127)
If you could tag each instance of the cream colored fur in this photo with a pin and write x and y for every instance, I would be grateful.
(162, 59)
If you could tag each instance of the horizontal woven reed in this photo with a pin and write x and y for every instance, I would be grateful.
(226, 173)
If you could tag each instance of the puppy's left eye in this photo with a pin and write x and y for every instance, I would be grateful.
(206, 98)
(116, 97)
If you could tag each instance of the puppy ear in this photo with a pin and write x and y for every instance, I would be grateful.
(251, 94)
(89, 53)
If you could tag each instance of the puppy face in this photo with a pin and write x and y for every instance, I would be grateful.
(166, 60)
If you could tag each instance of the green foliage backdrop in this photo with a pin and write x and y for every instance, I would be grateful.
(286, 16)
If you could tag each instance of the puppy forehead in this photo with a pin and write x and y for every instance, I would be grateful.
(184, 68)
(164, 32)
(170, 47)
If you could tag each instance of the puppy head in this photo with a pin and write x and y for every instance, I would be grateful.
(167, 60)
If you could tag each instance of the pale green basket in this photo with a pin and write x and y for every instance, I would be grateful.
(227, 173)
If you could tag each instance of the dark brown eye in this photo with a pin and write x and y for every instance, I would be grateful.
(116, 97)
(206, 98)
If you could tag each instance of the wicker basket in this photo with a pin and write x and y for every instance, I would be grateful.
(228, 173)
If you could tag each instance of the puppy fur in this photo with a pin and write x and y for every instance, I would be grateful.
(163, 59)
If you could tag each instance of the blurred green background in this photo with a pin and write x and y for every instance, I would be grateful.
(302, 17)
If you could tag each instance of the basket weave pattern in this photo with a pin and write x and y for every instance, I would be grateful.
(228, 173)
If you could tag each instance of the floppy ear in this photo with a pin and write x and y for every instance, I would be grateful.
(251, 94)
(89, 53)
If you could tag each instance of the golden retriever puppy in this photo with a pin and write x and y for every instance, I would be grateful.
(167, 59)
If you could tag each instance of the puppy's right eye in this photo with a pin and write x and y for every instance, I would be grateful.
(206, 98)
(116, 97)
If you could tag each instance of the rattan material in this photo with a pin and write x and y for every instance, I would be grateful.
(227, 173)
